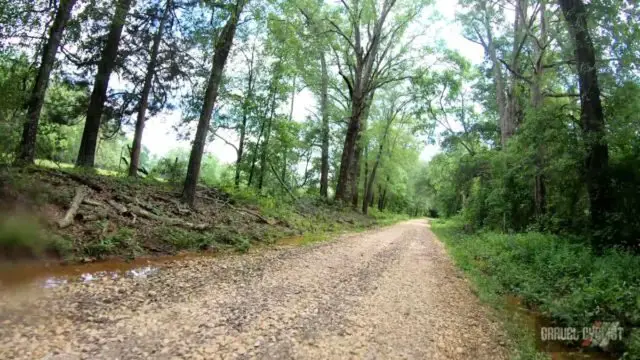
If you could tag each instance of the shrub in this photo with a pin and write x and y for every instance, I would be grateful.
(562, 278)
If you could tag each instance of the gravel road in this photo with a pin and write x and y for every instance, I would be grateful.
(381, 294)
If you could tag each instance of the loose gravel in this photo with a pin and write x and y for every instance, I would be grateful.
(382, 294)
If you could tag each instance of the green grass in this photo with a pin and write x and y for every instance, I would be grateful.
(562, 279)
(70, 167)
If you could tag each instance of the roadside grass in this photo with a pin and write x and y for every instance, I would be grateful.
(561, 279)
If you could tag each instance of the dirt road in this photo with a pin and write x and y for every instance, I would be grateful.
(390, 293)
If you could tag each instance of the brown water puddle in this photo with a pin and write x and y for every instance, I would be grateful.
(558, 350)
(54, 274)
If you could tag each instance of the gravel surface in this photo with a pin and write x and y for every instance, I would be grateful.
(390, 293)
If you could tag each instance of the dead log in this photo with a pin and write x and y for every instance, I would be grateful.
(252, 213)
(93, 203)
(81, 193)
(119, 207)
(135, 200)
(93, 216)
(169, 221)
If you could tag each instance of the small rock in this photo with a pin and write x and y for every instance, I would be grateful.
(152, 293)
(459, 350)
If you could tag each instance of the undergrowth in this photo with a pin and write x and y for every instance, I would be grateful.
(23, 236)
(239, 218)
(564, 281)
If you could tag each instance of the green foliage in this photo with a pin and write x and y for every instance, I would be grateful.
(220, 237)
(561, 277)
(122, 242)
(22, 235)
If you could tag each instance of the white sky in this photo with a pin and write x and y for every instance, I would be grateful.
(159, 136)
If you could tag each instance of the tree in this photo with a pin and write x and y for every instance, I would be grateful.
(596, 160)
(222, 48)
(146, 90)
(36, 99)
(371, 58)
(246, 109)
(87, 152)
(395, 109)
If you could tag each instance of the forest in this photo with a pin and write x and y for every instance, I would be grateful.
(539, 136)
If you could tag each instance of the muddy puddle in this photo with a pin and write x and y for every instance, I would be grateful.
(558, 350)
(48, 275)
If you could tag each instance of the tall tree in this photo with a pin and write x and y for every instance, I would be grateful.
(324, 113)
(246, 108)
(394, 111)
(596, 160)
(273, 89)
(87, 152)
(36, 99)
(146, 90)
(222, 48)
(368, 62)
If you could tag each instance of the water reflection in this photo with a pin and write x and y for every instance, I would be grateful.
(140, 272)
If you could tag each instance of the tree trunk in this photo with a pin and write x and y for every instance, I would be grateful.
(36, 98)
(355, 175)
(501, 98)
(513, 106)
(343, 188)
(365, 180)
(369, 189)
(382, 199)
(356, 168)
(536, 102)
(285, 152)
(596, 160)
(254, 158)
(267, 136)
(146, 91)
(222, 48)
(87, 153)
(245, 115)
(324, 110)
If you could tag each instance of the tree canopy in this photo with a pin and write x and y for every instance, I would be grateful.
(539, 133)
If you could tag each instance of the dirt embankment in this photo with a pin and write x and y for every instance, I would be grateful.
(80, 216)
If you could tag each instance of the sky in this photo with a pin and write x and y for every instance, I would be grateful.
(159, 136)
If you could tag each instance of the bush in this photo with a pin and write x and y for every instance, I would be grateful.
(562, 278)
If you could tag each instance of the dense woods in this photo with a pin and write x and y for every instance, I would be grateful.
(542, 134)
(93, 75)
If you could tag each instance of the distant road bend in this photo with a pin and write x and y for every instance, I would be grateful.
(383, 294)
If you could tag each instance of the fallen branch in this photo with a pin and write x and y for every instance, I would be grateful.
(121, 208)
(81, 193)
(93, 203)
(282, 183)
(169, 221)
(135, 200)
(252, 213)
(93, 217)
